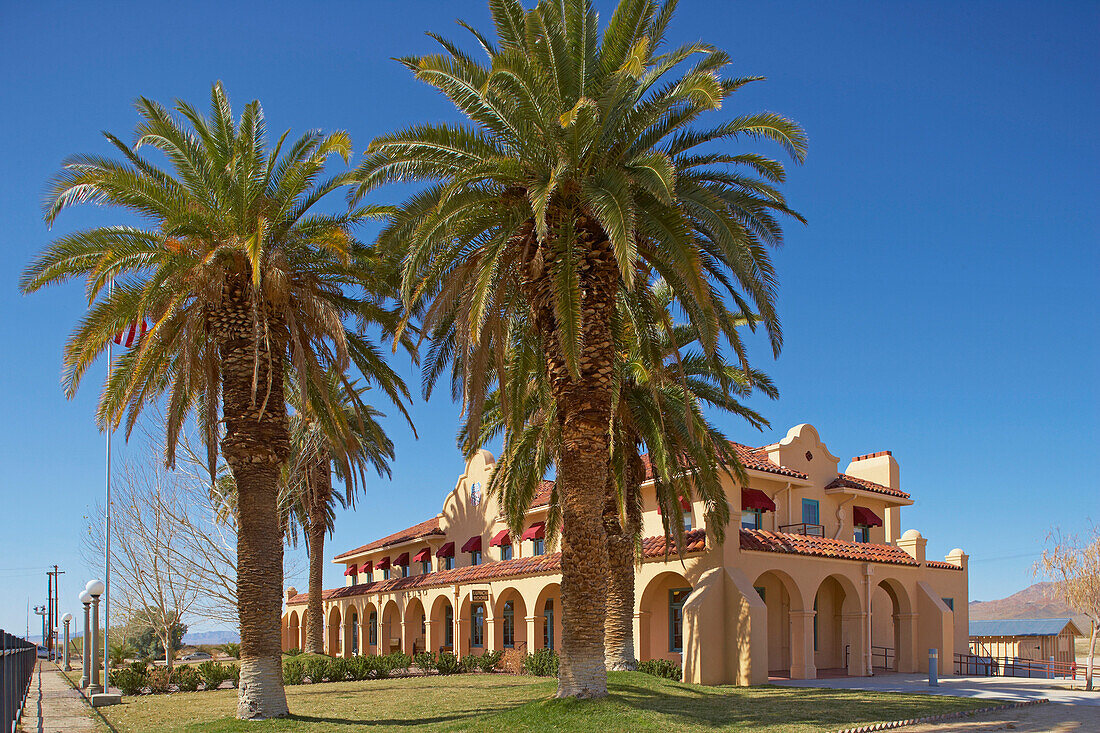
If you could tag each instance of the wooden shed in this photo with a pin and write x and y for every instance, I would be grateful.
(1039, 639)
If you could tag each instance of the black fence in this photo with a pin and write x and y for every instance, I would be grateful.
(17, 658)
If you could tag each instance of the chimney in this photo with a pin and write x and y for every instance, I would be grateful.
(291, 592)
(913, 543)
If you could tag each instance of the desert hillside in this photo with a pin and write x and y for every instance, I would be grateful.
(1040, 600)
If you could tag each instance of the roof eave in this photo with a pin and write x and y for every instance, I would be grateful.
(870, 494)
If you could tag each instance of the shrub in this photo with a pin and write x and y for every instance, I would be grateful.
(470, 663)
(295, 652)
(186, 677)
(316, 667)
(447, 663)
(234, 674)
(661, 668)
(488, 661)
(512, 661)
(213, 674)
(542, 663)
(131, 681)
(157, 680)
(337, 669)
(293, 672)
(233, 650)
(425, 661)
(399, 660)
(360, 667)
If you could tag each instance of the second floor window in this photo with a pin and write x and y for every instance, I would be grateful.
(404, 571)
(448, 563)
(810, 511)
(426, 567)
(538, 546)
(505, 552)
(477, 625)
(752, 519)
(862, 533)
(687, 521)
(475, 557)
(386, 574)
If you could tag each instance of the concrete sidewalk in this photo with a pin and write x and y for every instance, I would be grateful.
(1002, 688)
(53, 706)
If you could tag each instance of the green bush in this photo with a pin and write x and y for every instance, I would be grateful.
(131, 681)
(470, 663)
(399, 660)
(447, 663)
(213, 674)
(186, 678)
(337, 669)
(488, 661)
(542, 663)
(234, 674)
(294, 652)
(316, 667)
(157, 680)
(293, 672)
(661, 668)
(232, 649)
(425, 661)
(361, 667)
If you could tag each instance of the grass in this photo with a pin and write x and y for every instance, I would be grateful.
(480, 702)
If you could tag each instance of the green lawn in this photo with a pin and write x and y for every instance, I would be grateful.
(478, 702)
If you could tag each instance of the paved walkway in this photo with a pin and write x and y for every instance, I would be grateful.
(1004, 688)
(53, 706)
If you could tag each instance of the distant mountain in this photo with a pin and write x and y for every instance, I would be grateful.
(194, 638)
(1041, 600)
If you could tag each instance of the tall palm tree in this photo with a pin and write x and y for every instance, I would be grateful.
(660, 392)
(578, 173)
(238, 273)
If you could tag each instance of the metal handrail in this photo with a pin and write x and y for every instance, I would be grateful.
(17, 660)
(986, 665)
(804, 528)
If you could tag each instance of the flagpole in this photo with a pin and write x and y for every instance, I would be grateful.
(107, 536)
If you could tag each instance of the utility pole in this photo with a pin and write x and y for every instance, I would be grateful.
(54, 601)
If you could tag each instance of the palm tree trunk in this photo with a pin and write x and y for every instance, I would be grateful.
(315, 629)
(583, 413)
(619, 624)
(255, 444)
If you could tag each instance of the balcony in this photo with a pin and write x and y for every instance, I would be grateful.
(811, 530)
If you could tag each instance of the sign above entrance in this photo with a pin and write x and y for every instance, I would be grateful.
(479, 595)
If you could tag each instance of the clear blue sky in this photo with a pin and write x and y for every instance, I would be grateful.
(941, 303)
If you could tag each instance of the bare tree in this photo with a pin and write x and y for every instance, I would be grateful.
(145, 542)
(1074, 565)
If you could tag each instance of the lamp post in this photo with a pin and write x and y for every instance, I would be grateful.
(95, 588)
(56, 646)
(86, 599)
(67, 619)
(40, 611)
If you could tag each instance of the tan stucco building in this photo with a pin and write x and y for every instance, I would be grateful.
(815, 575)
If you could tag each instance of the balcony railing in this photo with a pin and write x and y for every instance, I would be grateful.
(813, 530)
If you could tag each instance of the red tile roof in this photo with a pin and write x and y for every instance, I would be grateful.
(426, 528)
(941, 565)
(652, 547)
(755, 459)
(762, 540)
(542, 496)
(844, 481)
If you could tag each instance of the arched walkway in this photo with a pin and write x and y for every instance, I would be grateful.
(544, 626)
(661, 618)
(294, 632)
(780, 594)
(473, 627)
(332, 647)
(838, 633)
(370, 629)
(351, 632)
(510, 621)
(390, 635)
(415, 630)
(442, 629)
(892, 627)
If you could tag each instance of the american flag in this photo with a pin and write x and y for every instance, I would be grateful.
(128, 337)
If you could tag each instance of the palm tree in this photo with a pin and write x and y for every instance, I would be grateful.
(660, 392)
(239, 274)
(579, 174)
